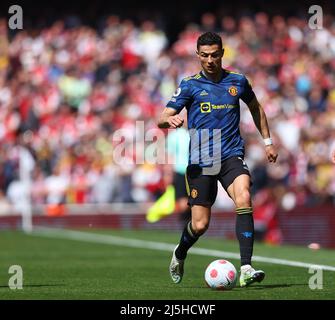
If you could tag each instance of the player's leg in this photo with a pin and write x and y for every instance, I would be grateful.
(191, 233)
(239, 191)
(202, 192)
(193, 229)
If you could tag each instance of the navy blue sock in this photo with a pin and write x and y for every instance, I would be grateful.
(245, 233)
(187, 240)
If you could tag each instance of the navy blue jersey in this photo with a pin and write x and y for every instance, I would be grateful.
(213, 115)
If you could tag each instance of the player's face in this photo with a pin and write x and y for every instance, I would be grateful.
(210, 58)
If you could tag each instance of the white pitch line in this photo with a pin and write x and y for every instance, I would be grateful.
(144, 244)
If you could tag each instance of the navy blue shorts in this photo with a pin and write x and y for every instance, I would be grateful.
(203, 189)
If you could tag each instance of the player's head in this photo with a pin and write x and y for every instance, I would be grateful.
(210, 52)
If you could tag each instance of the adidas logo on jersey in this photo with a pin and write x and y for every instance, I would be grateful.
(204, 93)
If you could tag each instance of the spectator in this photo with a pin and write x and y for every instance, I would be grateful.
(74, 88)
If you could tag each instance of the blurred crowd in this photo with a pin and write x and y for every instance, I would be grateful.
(67, 94)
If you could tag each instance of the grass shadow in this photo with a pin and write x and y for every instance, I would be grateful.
(272, 286)
(254, 286)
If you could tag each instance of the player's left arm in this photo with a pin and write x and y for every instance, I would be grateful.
(261, 123)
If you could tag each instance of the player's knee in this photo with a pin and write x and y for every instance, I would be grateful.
(243, 199)
(200, 227)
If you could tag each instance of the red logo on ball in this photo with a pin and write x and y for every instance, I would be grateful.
(213, 273)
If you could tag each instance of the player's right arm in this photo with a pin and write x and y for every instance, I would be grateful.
(170, 116)
(170, 119)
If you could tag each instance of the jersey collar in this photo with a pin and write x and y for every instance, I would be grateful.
(224, 74)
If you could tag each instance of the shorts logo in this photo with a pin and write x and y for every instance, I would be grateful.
(233, 91)
(194, 193)
(205, 107)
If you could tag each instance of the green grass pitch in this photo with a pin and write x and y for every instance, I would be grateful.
(55, 268)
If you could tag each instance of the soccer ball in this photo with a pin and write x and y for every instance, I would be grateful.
(221, 275)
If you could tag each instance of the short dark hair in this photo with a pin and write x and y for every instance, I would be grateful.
(208, 39)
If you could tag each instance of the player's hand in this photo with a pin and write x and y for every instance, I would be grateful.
(271, 153)
(175, 121)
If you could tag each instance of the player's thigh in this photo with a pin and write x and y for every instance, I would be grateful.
(239, 190)
(235, 179)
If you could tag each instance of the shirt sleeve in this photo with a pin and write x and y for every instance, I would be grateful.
(181, 98)
(247, 94)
